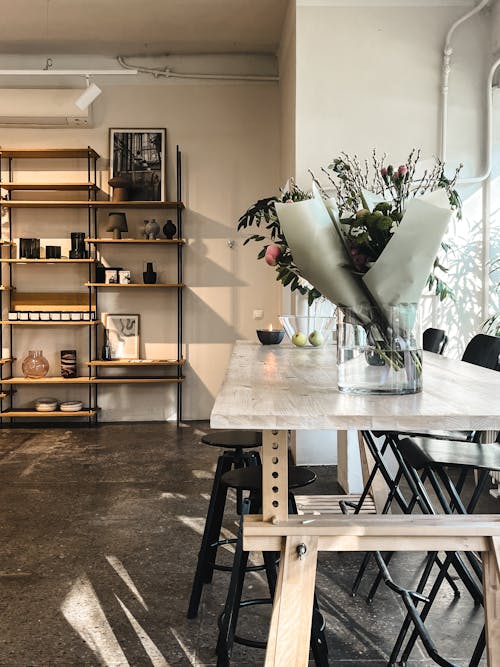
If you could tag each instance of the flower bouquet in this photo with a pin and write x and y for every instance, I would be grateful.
(370, 247)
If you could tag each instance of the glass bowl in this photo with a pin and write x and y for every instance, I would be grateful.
(309, 330)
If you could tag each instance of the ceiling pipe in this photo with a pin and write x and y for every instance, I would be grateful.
(66, 72)
(169, 74)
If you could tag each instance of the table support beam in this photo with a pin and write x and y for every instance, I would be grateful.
(290, 632)
(275, 475)
(491, 588)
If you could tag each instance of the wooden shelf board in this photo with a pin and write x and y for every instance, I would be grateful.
(47, 261)
(47, 380)
(156, 241)
(50, 323)
(112, 285)
(135, 380)
(53, 187)
(49, 152)
(20, 412)
(7, 243)
(6, 360)
(5, 288)
(74, 203)
(63, 302)
(136, 364)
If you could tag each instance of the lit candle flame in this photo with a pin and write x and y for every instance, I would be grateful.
(270, 327)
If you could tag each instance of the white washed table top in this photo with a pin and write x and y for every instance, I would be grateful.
(284, 387)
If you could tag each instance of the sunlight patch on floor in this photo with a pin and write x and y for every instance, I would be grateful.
(154, 653)
(83, 611)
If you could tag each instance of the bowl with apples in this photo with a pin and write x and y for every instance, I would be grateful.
(309, 331)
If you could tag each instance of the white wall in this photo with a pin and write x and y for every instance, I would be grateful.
(230, 140)
(369, 77)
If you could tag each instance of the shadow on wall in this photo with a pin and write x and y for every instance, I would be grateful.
(199, 400)
(205, 325)
(198, 226)
(204, 272)
(461, 317)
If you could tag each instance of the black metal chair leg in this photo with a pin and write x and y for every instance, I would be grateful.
(479, 649)
(229, 617)
(213, 523)
(214, 519)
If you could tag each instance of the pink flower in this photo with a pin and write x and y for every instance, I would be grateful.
(402, 170)
(383, 172)
(359, 259)
(272, 253)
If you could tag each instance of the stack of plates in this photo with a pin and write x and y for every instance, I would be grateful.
(71, 406)
(46, 404)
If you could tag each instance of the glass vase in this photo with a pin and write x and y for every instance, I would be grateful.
(35, 365)
(379, 351)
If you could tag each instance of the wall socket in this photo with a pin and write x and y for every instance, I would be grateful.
(258, 314)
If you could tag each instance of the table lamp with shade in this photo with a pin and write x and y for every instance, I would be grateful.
(117, 223)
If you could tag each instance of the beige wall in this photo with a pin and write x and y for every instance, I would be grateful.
(229, 136)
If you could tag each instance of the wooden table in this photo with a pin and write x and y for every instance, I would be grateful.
(281, 389)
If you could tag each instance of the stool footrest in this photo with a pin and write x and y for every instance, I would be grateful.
(330, 504)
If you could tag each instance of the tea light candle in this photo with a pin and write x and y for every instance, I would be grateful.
(270, 336)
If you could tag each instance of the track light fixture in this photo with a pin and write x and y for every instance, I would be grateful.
(89, 95)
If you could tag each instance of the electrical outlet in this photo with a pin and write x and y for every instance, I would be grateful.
(258, 314)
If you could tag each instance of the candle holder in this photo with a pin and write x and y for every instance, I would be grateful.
(270, 336)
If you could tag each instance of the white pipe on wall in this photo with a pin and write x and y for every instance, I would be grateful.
(484, 175)
(445, 74)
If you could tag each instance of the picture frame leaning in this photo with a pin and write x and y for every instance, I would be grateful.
(140, 156)
(123, 335)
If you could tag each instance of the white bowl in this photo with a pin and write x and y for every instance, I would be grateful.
(316, 330)
(46, 404)
(71, 406)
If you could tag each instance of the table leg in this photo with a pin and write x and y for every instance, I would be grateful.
(275, 475)
(290, 631)
(491, 585)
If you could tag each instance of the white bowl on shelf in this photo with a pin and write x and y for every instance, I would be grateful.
(71, 406)
(311, 331)
(46, 404)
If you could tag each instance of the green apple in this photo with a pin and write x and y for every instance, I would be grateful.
(299, 339)
(316, 338)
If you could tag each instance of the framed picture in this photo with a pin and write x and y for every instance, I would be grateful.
(140, 156)
(123, 336)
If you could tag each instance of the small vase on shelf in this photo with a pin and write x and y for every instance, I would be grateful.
(149, 275)
(169, 230)
(106, 348)
(151, 229)
(35, 365)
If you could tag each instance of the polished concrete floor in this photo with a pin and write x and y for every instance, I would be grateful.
(100, 530)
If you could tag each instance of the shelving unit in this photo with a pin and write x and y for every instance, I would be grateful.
(85, 302)
(45, 301)
(68, 203)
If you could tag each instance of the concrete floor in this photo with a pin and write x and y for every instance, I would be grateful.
(100, 534)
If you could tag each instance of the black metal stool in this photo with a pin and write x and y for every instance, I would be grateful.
(236, 444)
(250, 480)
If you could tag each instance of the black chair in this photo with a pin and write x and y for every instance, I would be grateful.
(482, 350)
(250, 480)
(435, 461)
(239, 453)
(434, 340)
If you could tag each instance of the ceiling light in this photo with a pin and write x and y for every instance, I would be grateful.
(88, 96)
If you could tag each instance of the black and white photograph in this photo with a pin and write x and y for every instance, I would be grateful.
(139, 156)
(123, 335)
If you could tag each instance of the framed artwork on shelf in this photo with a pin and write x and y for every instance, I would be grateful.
(139, 157)
(123, 335)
